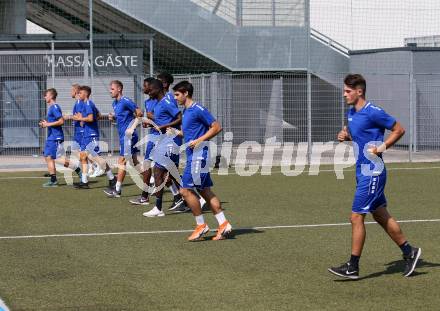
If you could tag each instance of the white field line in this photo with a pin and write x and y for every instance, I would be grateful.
(66, 235)
(3, 306)
(277, 171)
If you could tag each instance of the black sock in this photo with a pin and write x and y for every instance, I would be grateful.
(177, 197)
(144, 194)
(53, 178)
(406, 248)
(159, 203)
(354, 260)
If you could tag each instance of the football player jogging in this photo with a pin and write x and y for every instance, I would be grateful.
(178, 205)
(78, 128)
(149, 104)
(53, 148)
(198, 127)
(366, 126)
(165, 114)
(125, 112)
(90, 143)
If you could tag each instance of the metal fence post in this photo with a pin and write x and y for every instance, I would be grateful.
(151, 58)
(52, 50)
(213, 105)
(309, 82)
(203, 90)
(412, 107)
(92, 61)
(309, 115)
(411, 121)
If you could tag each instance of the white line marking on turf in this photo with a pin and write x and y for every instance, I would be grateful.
(187, 231)
(3, 306)
(273, 172)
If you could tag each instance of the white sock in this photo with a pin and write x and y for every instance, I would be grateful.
(118, 186)
(202, 201)
(174, 189)
(110, 175)
(84, 178)
(200, 220)
(220, 218)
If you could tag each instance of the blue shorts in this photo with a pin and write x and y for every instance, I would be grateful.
(91, 145)
(192, 179)
(369, 194)
(77, 141)
(166, 153)
(53, 148)
(196, 173)
(128, 142)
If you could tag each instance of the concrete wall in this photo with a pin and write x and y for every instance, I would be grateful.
(388, 75)
(427, 78)
(255, 48)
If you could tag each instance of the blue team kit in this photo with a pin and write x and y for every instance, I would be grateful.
(196, 121)
(90, 141)
(55, 135)
(165, 111)
(124, 109)
(149, 107)
(367, 126)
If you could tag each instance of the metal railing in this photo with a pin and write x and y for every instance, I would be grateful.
(315, 34)
(257, 12)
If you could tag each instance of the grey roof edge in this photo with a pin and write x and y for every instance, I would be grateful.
(403, 48)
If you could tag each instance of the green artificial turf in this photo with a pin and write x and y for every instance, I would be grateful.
(257, 269)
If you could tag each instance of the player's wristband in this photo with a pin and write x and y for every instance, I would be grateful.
(382, 148)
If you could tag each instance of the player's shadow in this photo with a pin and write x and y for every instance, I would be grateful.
(65, 184)
(397, 267)
(233, 235)
(106, 186)
(241, 231)
(206, 210)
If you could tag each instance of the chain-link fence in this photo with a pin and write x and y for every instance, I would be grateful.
(25, 74)
(279, 65)
(260, 106)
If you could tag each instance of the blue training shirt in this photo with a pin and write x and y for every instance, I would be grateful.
(149, 107)
(91, 129)
(54, 113)
(78, 107)
(196, 121)
(124, 113)
(366, 126)
(149, 104)
(170, 96)
(165, 112)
